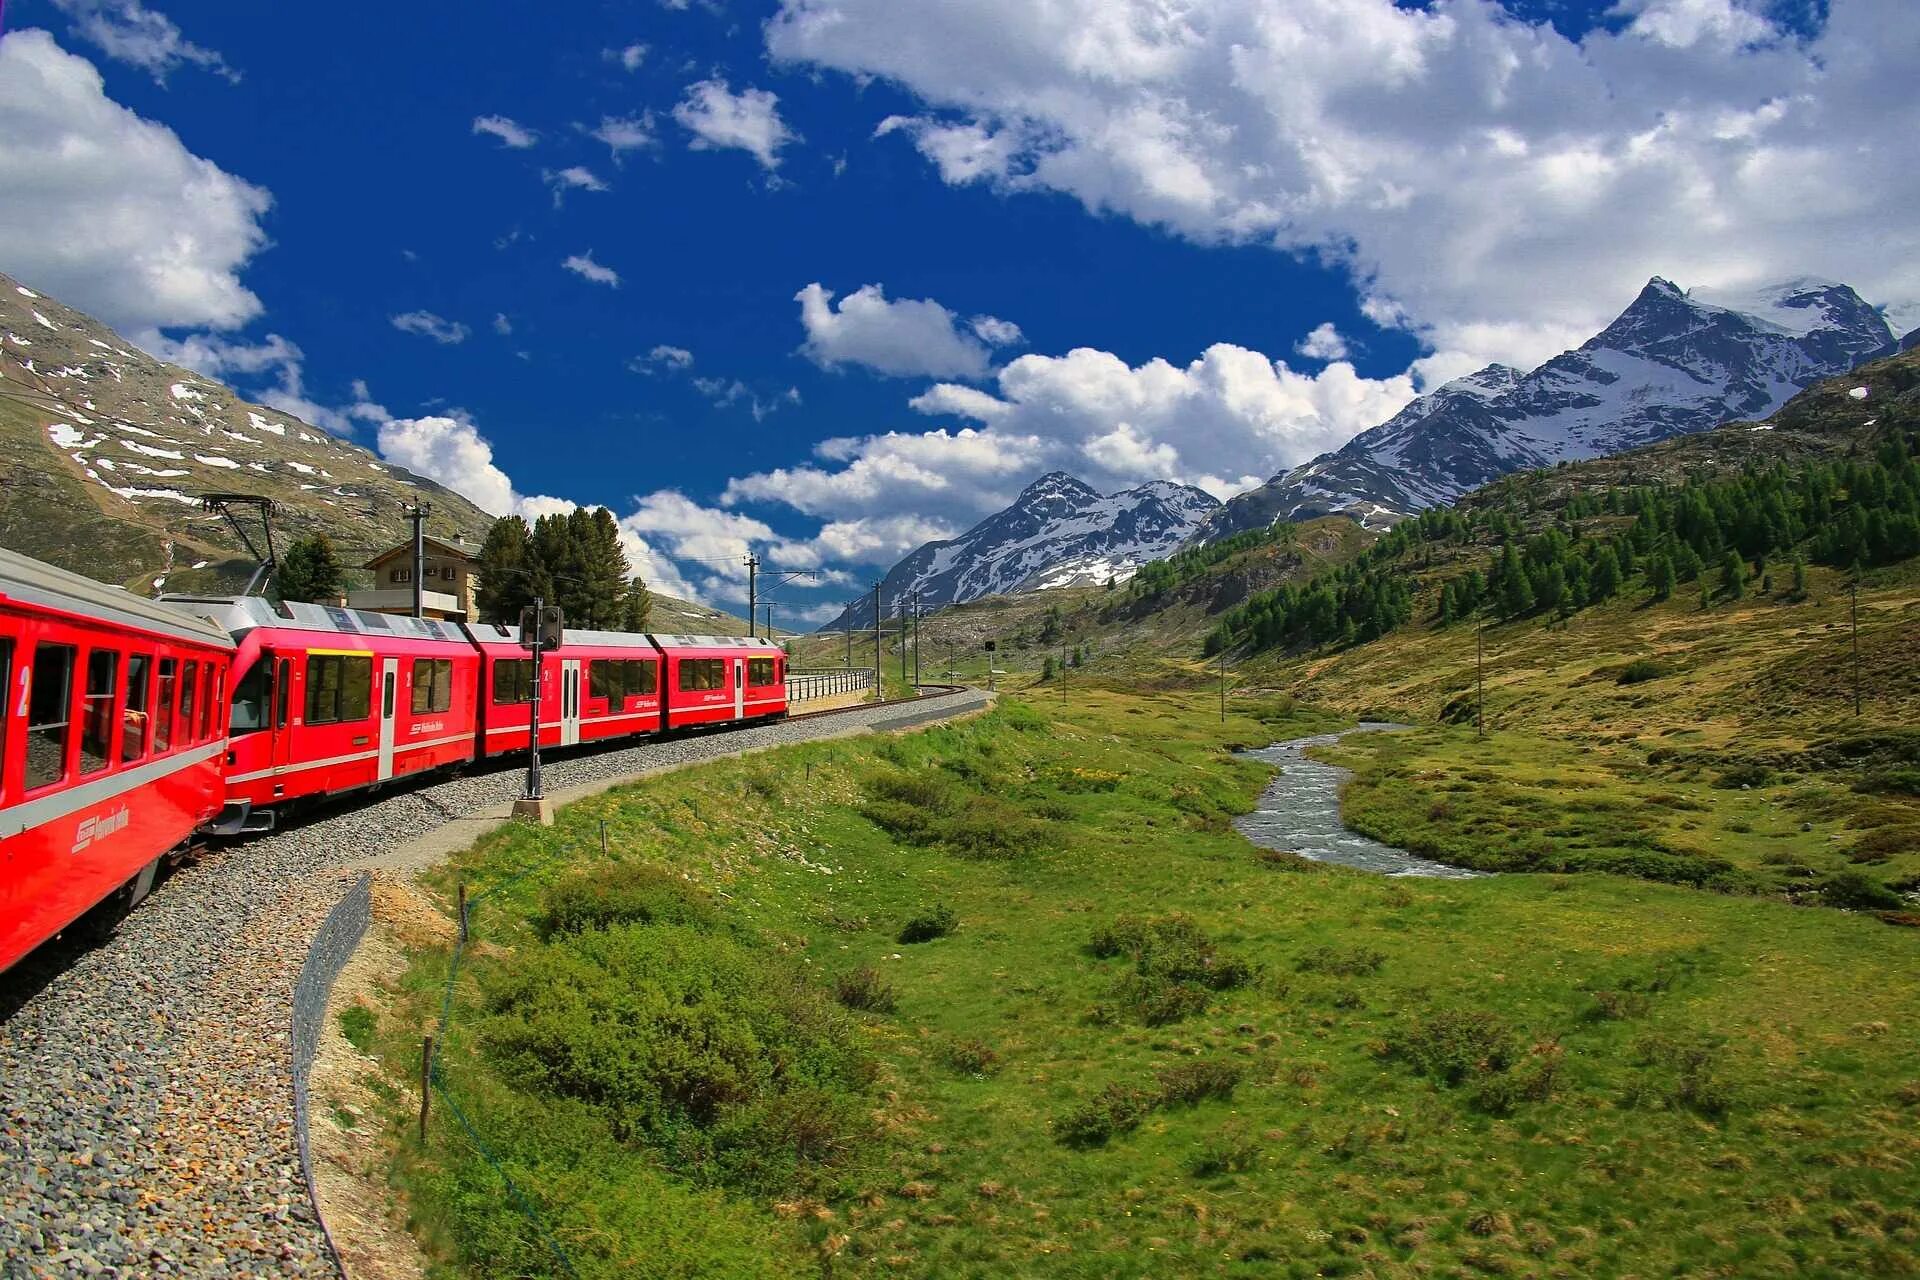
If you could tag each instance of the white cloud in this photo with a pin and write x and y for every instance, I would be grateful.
(630, 57)
(1324, 343)
(127, 31)
(726, 392)
(282, 361)
(572, 178)
(110, 212)
(428, 325)
(502, 325)
(996, 332)
(906, 338)
(1481, 176)
(663, 356)
(510, 132)
(749, 120)
(622, 134)
(583, 265)
(452, 451)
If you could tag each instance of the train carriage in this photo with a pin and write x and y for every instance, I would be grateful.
(598, 685)
(717, 679)
(330, 700)
(111, 740)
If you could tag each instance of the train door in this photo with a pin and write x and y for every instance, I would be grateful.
(389, 686)
(282, 714)
(739, 688)
(569, 701)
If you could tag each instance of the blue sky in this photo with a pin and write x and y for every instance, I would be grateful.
(1136, 243)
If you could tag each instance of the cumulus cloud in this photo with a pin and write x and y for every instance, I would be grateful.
(509, 132)
(583, 265)
(663, 356)
(110, 212)
(1324, 343)
(428, 325)
(749, 120)
(127, 31)
(1224, 421)
(1487, 181)
(904, 338)
(572, 178)
(622, 134)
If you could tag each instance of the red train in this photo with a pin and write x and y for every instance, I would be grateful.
(131, 726)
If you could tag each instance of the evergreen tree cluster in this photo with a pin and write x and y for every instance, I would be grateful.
(1158, 576)
(310, 572)
(1721, 534)
(573, 560)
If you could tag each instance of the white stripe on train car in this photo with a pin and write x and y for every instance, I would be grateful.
(34, 813)
(304, 765)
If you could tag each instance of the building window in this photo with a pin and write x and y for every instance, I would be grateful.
(133, 729)
(432, 685)
(699, 674)
(400, 575)
(512, 681)
(48, 712)
(760, 671)
(339, 687)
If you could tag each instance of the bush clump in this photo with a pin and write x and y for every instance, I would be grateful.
(1641, 670)
(1476, 1050)
(1231, 1150)
(1682, 1070)
(622, 894)
(970, 1056)
(1858, 891)
(931, 810)
(937, 921)
(1190, 1083)
(1116, 1109)
(1175, 966)
(718, 1053)
(864, 989)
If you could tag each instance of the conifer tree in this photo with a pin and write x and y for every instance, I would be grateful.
(310, 571)
(636, 607)
(505, 559)
(1733, 575)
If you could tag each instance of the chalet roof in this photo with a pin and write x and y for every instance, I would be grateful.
(454, 550)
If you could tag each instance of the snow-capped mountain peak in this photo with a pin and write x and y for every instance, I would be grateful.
(1059, 532)
(1672, 363)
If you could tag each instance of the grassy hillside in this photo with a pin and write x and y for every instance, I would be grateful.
(1010, 998)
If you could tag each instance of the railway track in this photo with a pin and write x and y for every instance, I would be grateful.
(147, 1123)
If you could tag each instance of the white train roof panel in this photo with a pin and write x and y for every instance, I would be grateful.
(26, 579)
(240, 614)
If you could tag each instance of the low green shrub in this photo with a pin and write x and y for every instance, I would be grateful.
(1231, 1149)
(971, 1056)
(1175, 966)
(936, 921)
(1641, 670)
(864, 989)
(1857, 891)
(356, 1024)
(1682, 1069)
(624, 893)
(1187, 1084)
(1116, 1109)
(1155, 1001)
(1733, 777)
(1455, 1045)
(1901, 780)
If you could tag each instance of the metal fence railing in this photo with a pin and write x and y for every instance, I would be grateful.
(331, 948)
(827, 682)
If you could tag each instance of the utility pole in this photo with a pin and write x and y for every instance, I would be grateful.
(916, 636)
(949, 662)
(851, 606)
(753, 570)
(903, 640)
(1479, 681)
(878, 696)
(769, 609)
(417, 512)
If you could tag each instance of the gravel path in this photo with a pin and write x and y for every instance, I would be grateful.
(144, 1085)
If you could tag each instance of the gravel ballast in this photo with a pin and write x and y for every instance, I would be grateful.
(145, 1085)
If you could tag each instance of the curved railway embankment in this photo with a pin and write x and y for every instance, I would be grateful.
(148, 1112)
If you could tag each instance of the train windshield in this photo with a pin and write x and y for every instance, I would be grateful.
(252, 697)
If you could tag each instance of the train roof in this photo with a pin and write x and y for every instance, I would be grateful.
(496, 633)
(26, 579)
(241, 614)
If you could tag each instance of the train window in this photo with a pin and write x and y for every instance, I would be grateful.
(250, 696)
(47, 714)
(604, 679)
(6, 710)
(133, 726)
(642, 677)
(163, 708)
(703, 673)
(189, 701)
(339, 687)
(432, 685)
(96, 717)
(759, 670)
(513, 681)
(209, 702)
